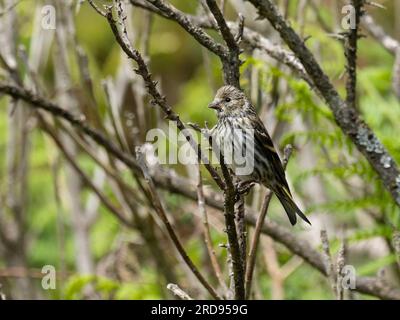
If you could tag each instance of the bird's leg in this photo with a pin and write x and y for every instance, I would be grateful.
(244, 187)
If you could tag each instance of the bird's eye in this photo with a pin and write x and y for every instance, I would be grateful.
(227, 99)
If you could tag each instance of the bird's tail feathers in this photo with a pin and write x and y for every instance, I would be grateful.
(290, 206)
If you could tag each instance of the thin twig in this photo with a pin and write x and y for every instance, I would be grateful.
(78, 121)
(258, 227)
(197, 33)
(95, 7)
(389, 43)
(178, 291)
(340, 263)
(230, 61)
(9, 9)
(241, 229)
(329, 266)
(110, 171)
(206, 232)
(239, 34)
(104, 200)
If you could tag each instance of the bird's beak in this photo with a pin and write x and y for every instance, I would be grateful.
(215, 105)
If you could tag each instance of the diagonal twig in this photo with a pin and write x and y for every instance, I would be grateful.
(104, 200)
(163, 216)
(377, 32)
(258, 227)
(151, 86)
(178, 291)
(197, 33)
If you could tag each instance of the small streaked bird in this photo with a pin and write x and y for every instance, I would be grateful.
(238, 128)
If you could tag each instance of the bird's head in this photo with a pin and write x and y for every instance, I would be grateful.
(228, 101)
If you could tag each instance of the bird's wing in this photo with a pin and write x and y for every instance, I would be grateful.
(268, 151)
(279, 186)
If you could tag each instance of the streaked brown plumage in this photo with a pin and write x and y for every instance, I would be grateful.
(238, 122)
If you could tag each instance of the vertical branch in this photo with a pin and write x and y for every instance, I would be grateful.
(241, 229)
(60, 223)
(234, 249)
(329, 266)
(67, 100)
(237, 246)
(341, 261)
(230, 60)
(234, 255)
(351, 55)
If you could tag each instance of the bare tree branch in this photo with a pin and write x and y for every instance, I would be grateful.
(178, 292)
